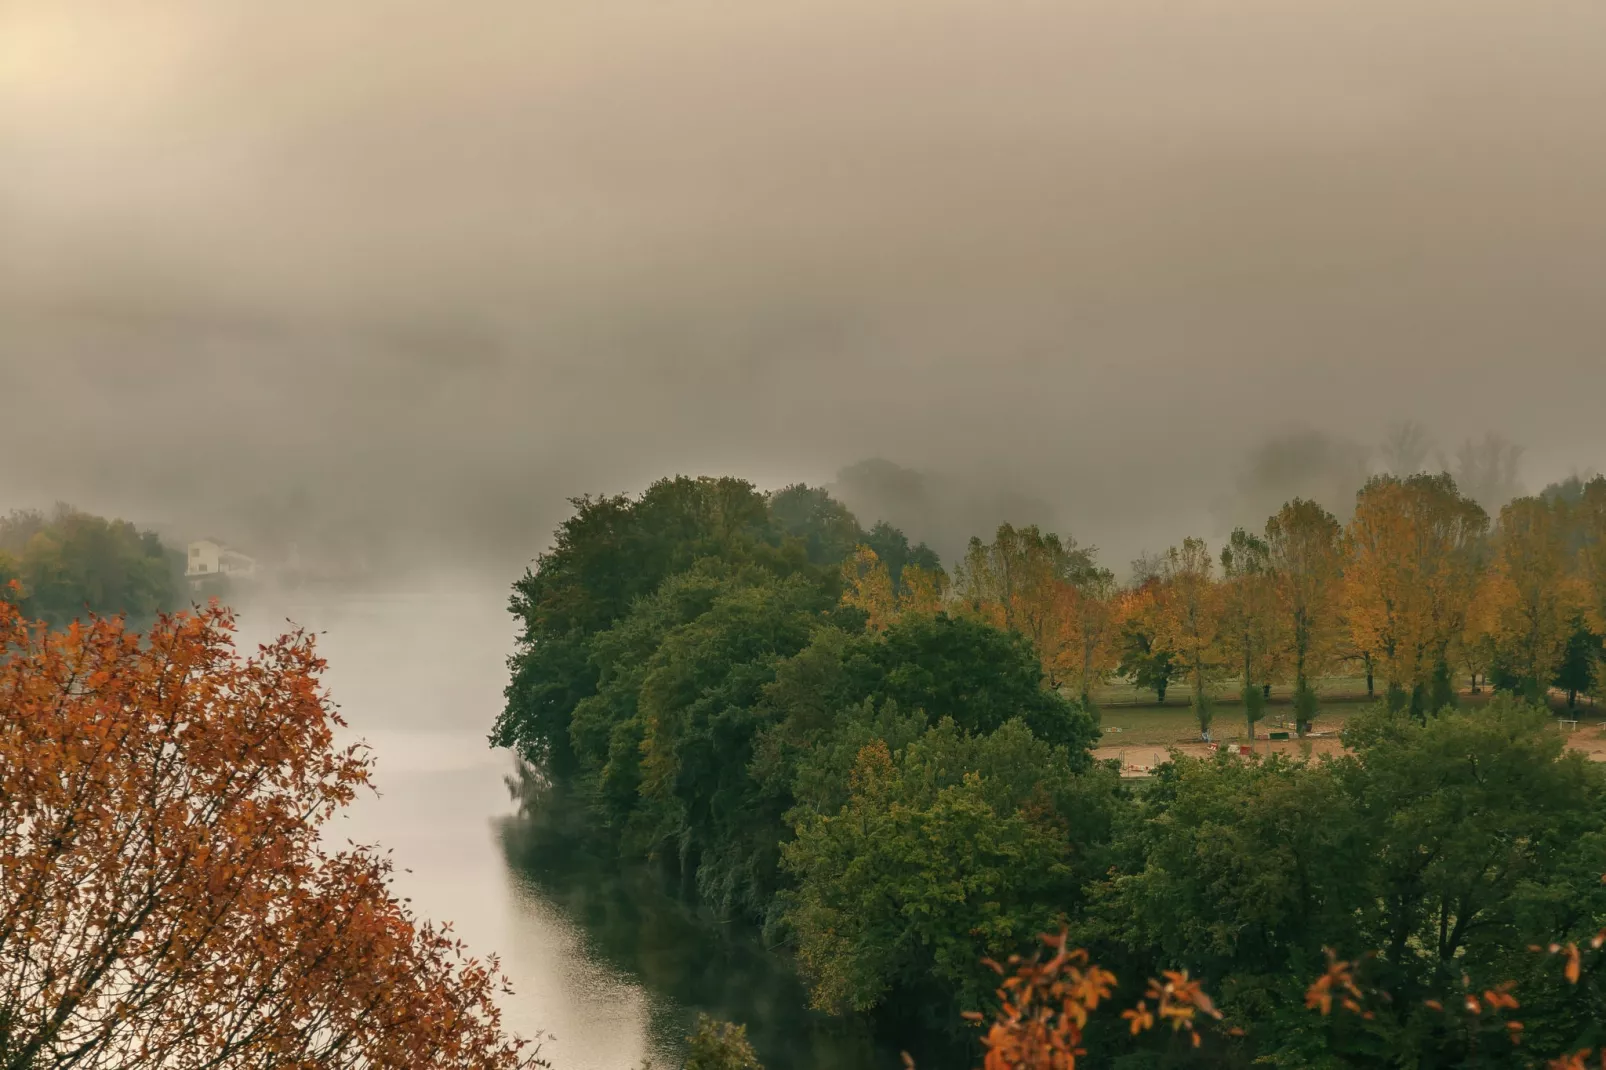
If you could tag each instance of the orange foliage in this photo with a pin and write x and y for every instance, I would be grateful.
(867, 585)
(1338, 985)
(165, 898)
(1090, 615)
(1411, 573)
(1528, 601)
(1578, 1060)
(1046, 1007)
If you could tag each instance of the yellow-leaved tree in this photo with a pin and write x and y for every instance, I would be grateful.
(1529, 598)
(1412, 568)
(867, 584)
(1021, 581)
(1090, 608)
(1590, 520)
(1305, 558)
(1187, 619)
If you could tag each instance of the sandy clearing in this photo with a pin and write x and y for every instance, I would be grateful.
(1139, 760)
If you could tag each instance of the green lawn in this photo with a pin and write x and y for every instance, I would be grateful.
(1130, 716)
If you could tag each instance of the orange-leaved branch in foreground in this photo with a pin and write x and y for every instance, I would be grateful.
(1045, 1005)
(165, 898)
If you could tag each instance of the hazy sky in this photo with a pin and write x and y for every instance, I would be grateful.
(436, 266)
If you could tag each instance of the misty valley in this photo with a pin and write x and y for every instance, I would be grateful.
(771, 787)
(843, 535)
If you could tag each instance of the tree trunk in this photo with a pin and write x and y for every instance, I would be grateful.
(1370, 693)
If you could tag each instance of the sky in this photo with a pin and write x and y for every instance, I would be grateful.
(416, 272)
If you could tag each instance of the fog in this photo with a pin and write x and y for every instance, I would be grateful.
(404, 276)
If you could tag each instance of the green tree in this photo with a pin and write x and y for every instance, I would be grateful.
(72, 563)
(956, 847)
(1580, 663)
(970, 671)
(1485, 835)
(720, 1046)
(1244, 871)
(699, 710)
(611, 552)
(892, 547)
(1144, 661)
(830, 533)
(1433, 852)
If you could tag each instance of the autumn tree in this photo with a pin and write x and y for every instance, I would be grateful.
(1145, 660)
(869, 585)
(1304, 557)
(1412, 567)
(1018, 581)
(1474, 649)
(922, 589)
(1250, 624)
(1090, 608)
(1529, 597)
(1590, 524)
(166, 898)
(1188, 619)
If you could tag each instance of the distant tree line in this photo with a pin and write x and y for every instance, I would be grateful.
(69, 563)
(891, 772)
(1417, 590)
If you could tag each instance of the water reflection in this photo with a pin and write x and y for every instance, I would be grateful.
(688, 962)
(600, 955)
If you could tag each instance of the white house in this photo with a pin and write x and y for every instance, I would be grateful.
(207, 558)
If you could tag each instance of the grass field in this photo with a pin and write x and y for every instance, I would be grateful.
(1132, 718)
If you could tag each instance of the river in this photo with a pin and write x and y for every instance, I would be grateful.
(604, 962)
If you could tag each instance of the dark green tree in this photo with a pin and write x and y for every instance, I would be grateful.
(1145, 662)
(954, 847)
(892, 548)
(1579, 664)
(611, 552)
(830, 533)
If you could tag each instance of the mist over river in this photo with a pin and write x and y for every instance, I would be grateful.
(603, 959)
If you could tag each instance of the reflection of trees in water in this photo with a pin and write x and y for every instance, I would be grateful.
(635, 923)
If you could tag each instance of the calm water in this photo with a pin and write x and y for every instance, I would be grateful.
(602, 959)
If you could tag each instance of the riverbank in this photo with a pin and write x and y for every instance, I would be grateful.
(633, 921)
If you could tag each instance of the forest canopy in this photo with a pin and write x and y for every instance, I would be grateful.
(890, 769)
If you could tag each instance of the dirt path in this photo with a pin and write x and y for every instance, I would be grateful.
(1139, 759)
